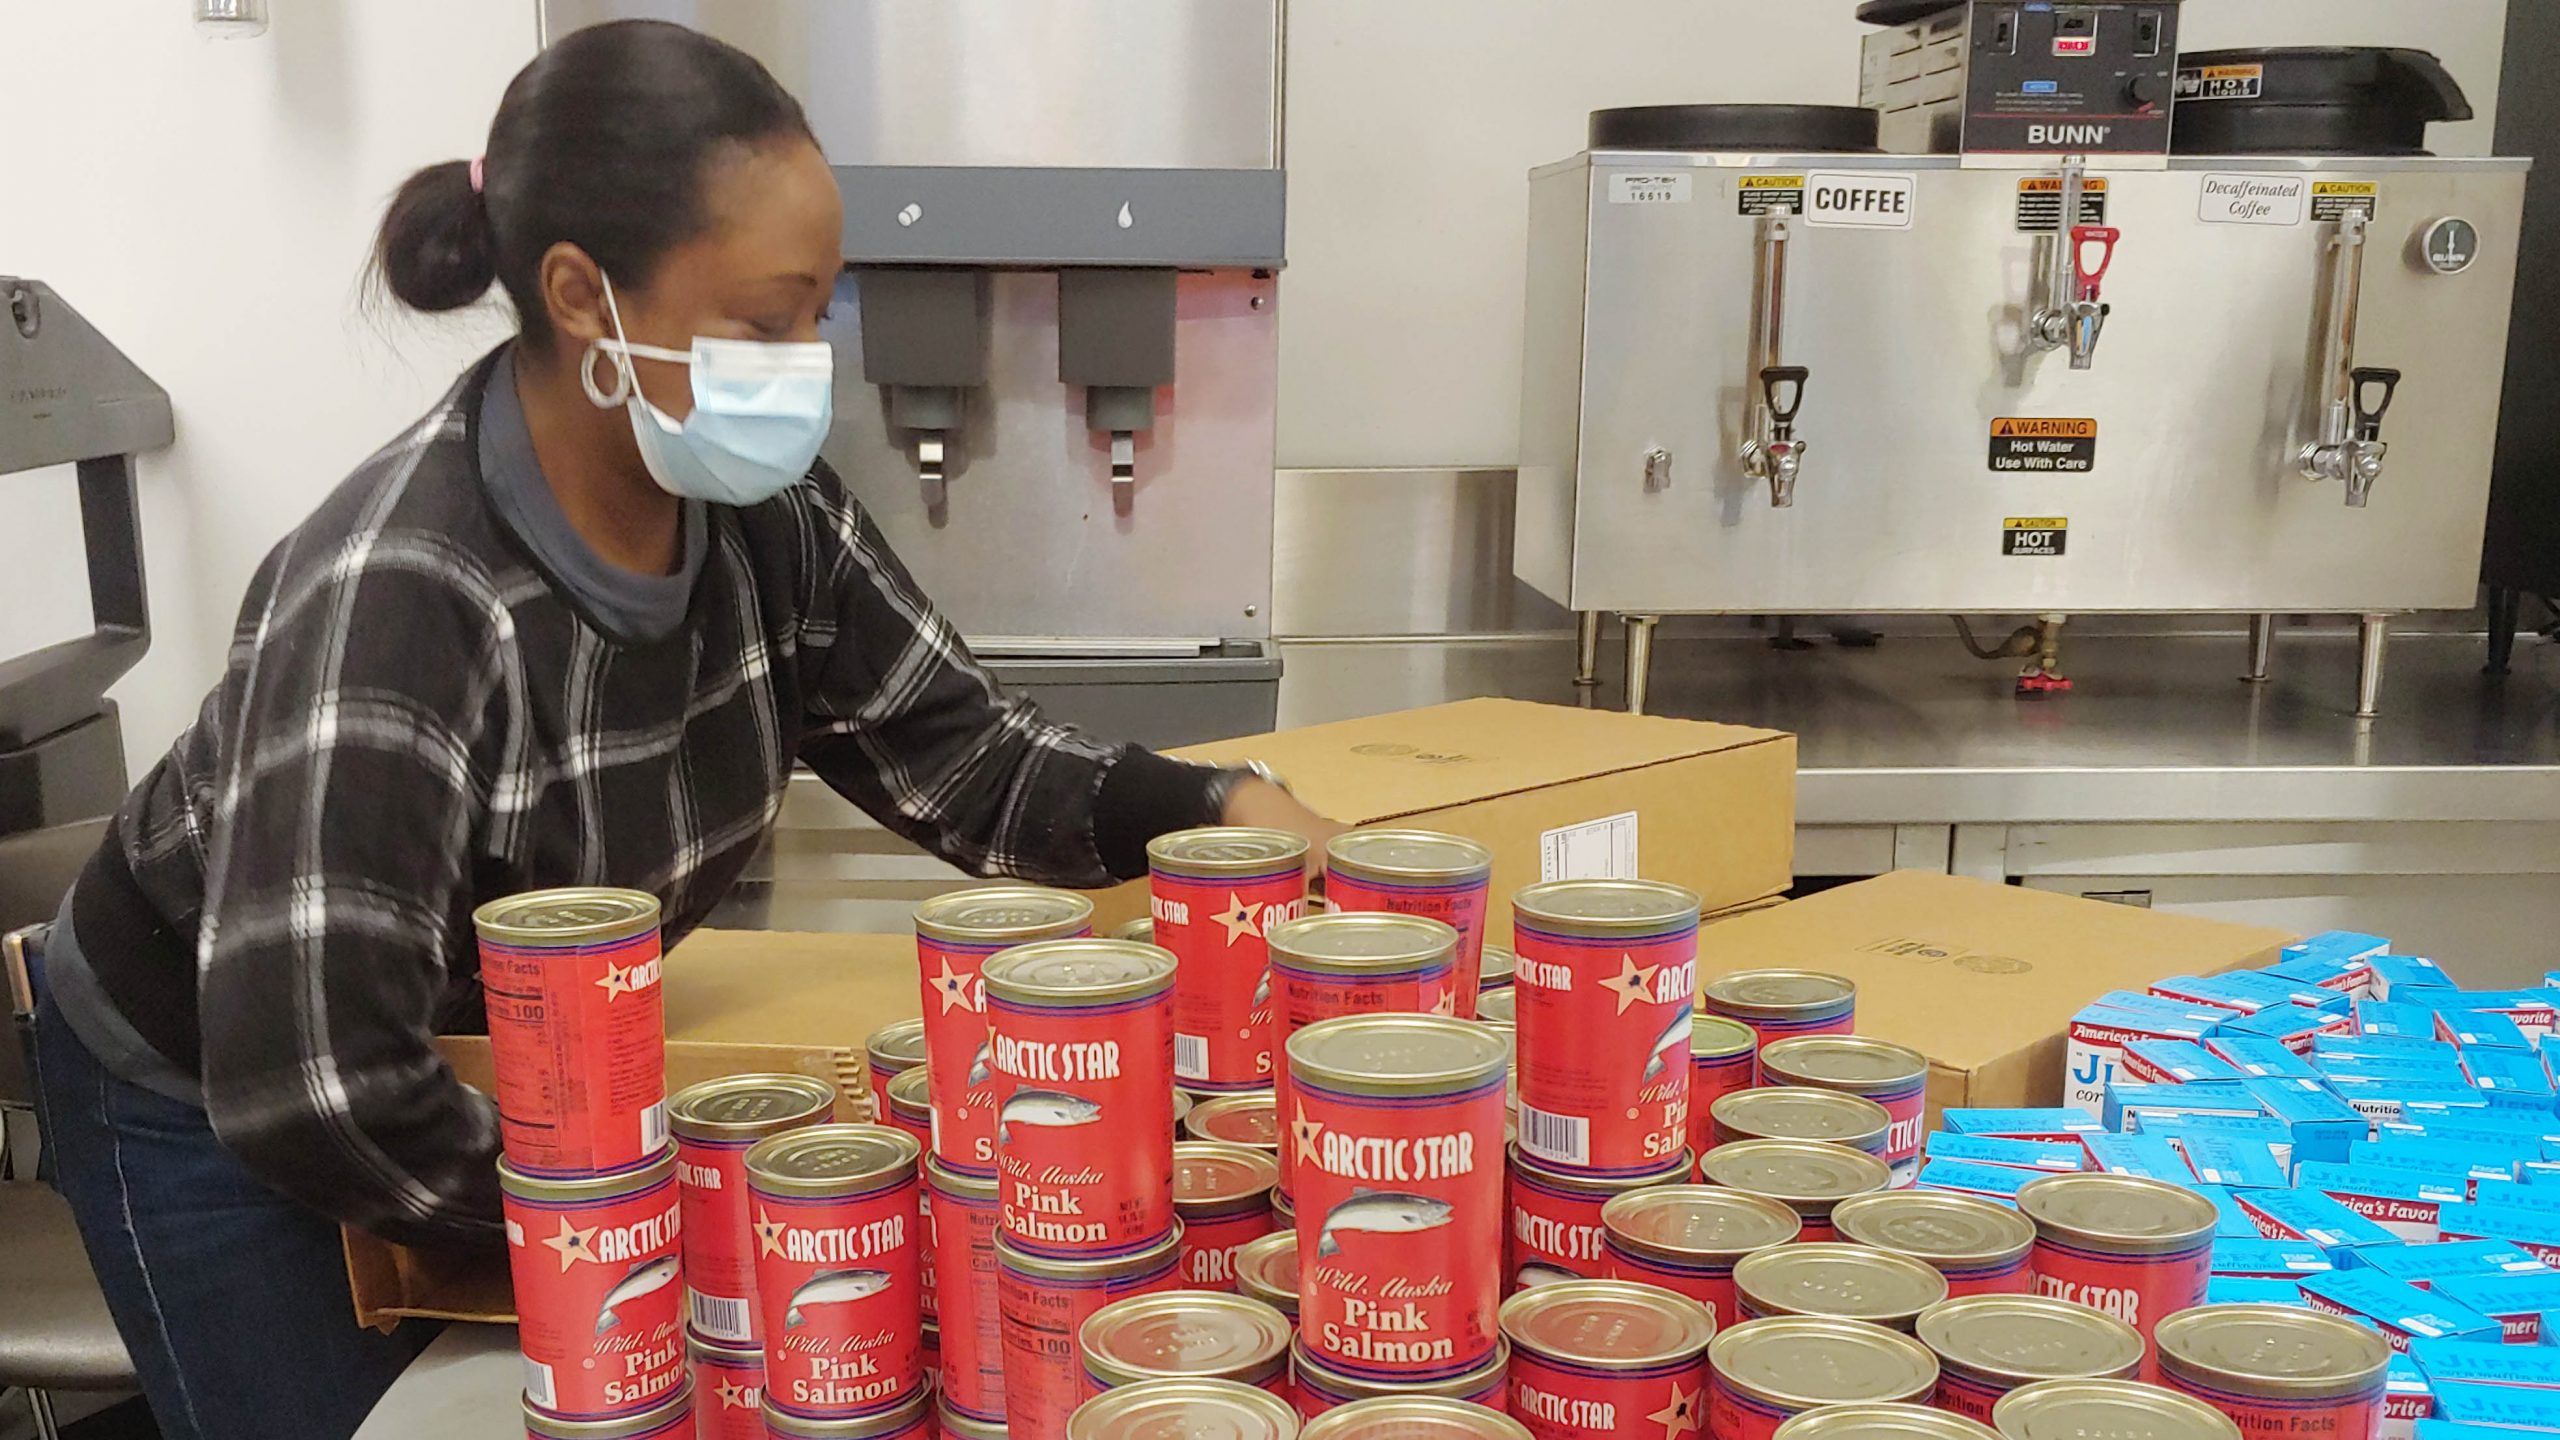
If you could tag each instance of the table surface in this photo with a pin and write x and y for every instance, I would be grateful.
(465, 1383)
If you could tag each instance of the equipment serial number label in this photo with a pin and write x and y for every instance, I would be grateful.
(2034, 534)
(1755, 195)
(1667, 188)
(1860, 200)
(2332, 199)
(2040, 203)
(2021, 444)
(2222, 82)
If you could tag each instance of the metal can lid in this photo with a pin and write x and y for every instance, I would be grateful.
(1251, 1118)
(1498, 1007)
(1776, 994)
(1845, 1282)
(1078, 972)
(1800, 1112)
(546, 1426)
(1225, 850)
(1606, 907)
(1411, 856)
(1142, 928)
(737, 1107)
(2020, 1339)
(1174, 1334)
(587, 1187)
(1267, 1270)
(909, 1092)
(1211, 1177)
(1042, 1267)
(575, 915)
(1016, 913)
(1313, 1374)
(2271, 1351)
(895, 1047)
(1596, 1185)
(1413, 1417)
(968, 1427)
(2123, 1213)
(1497, 967)
(1612, 1324)
(2117, 1409)
(1801, 1361)
(827, 1160)
(1856, 1063)
(1811, 1175)
(1697, 1222)
(1361, 942)
(1184, 1410)
(859, 1427)
(1713, 1037)
(1397, 1054)
(1885, 1421)
(1935, 1225)
(947, 1181)
(1182, 1103)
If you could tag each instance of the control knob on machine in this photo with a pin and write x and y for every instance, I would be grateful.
(2144, 92)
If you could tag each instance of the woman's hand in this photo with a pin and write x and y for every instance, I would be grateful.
(1259, 803)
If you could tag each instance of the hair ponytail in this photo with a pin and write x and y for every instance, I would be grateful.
(436, 249)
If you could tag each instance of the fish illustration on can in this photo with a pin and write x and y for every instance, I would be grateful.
(833, 1287)
(1044, 1109)
(1379, 1212)
(982, 1066)
(1538, 1272)
(1262, 989)
(647, 1277)
(1671, 1047)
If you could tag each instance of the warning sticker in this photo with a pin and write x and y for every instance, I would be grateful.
(2332, 199)
(2024, 445)
(1768, 195)
(2034, 534)
(2040, 203)
(2222, 82)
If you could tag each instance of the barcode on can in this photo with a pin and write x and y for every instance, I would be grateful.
(1190, 1056)
(720, 1316)
(538, 1386)
(653, 1128)
(1562, 1138)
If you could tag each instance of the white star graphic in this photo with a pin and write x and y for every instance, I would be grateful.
(952, 988)
(1306, 1131)
(1447, 1004)
(768, 1233)
(1680, 1417)
(615, 981)
(573, 1244)
(734, 1396)
(1634, 983)
(1238, 918)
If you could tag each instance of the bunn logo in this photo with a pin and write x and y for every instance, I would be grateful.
(2089, 135)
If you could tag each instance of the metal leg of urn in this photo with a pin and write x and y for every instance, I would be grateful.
(2372, 636)
(1586, 648)
(1639, 658)
(2262, 646)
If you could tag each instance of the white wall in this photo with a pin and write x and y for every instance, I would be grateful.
(1413, 126)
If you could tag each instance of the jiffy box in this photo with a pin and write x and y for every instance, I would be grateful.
(738, 1001)
(1554, 790)
(1983, 979)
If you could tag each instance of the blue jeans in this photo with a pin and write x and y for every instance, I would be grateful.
(232, 1299)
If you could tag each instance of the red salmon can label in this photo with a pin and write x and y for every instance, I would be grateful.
(2136, 1289)
(1214, 893)
(577, 1029)
(1327, 966)
(1606, 976)
(1315, 1389)
(963, 1232)
(1557, 1401)
(1893, 1076)
(2334, 1372)
(1396, 1129)
(1556, 1231)
(1721, 1056)
(839, 1264)
(1209, 1246)
(1593, 1358)
(716, 1123)
(1084, 1061)
(1223, 1194)
(728, 1392)
(1043, 1305)
(955, 934)
(2009, 1277)
(1418, 872)
(599, 1289)
(2138, 1250)
(1782, 1005)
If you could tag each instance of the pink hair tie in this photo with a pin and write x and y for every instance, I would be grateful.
(478, 166)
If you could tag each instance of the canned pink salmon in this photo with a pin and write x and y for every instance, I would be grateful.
(1321, 1388)
(1607, 971)
(1084, 1132)
(1327, 966)
(2276, 1370)
(1214, 893)
(1721, 1054)
(1801, 1113)
(728, 1388)
(1841, 1282)
(1687, 1239)
(2116, 1409)
(956, 1426)
(1499, 1008)
(1496, 970)
(889, 1052)
(1778, 1004)
(1980, 1246)
(1185, 1335)
(600, 1313)
(1267, 1270)
(1606, 1358)
(1250, 1118)
(964, 1258)
(1556, 1232)
(1810, 1177)
(670, 1419)
(1413, 1417)
(1397, 1132)
(838, 1269)
(1882, 1422)
(1767, 1371)
(1893, 1076)
(910, 1420)
(716, 1123)
(2136, 1249)
(1989, 1345)
(1044, 1304)
(910, 1110)
(955, 934)
(577, 1029)
(1418, 872)
(1223, 1194)
(1164, 1409)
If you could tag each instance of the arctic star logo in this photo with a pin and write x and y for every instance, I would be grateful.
(1680, 1417)
(573, 1244)
(1239, 918)
(768, 1233)
(620, 980)
(953, 989)
(1633, 985)
(1306, 1132)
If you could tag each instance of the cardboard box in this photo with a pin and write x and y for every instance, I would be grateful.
(1708, 806)
(738, 1002)
(1983, 979)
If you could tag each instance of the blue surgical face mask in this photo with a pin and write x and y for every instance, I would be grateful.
(760, 412)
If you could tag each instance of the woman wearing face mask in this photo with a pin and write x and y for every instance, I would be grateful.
(576, 626)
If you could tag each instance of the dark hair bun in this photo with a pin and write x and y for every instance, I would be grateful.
(437, 249)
